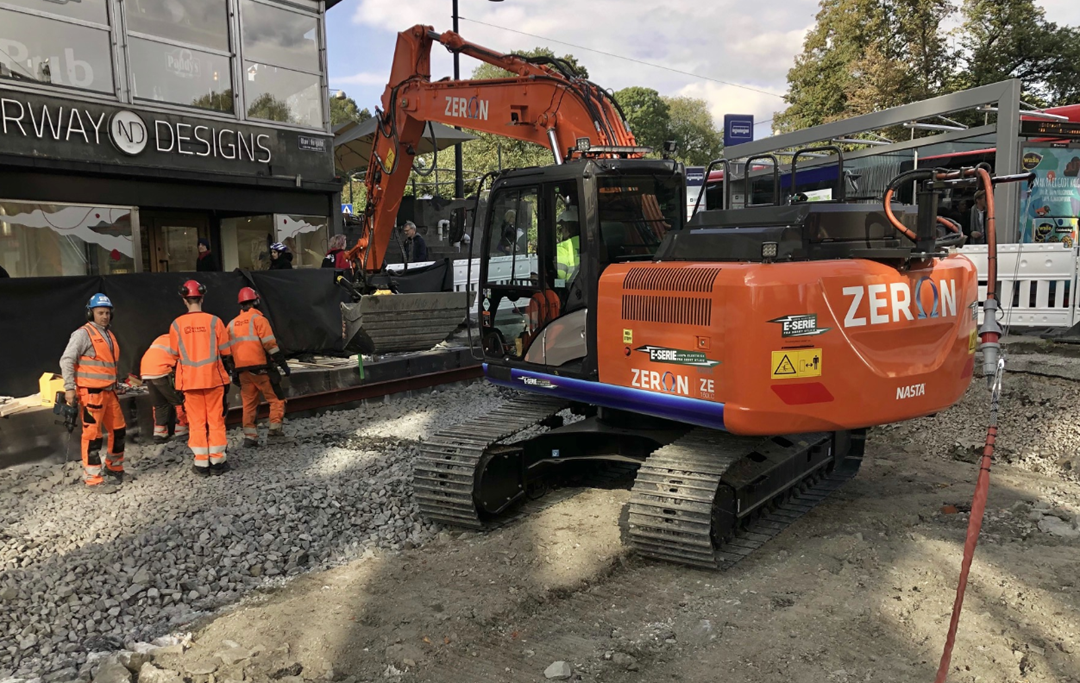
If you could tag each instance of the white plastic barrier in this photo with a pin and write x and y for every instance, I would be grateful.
(1036, 283)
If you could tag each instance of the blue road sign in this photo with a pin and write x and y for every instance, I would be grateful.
(738, 128)
(346, 208)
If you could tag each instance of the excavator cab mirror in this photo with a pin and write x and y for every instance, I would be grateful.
(670, 147)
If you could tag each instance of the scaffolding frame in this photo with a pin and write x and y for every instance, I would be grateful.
(1003, 96)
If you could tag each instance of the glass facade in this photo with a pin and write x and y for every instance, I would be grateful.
(246, 241)
(180, 52)
(39, 240)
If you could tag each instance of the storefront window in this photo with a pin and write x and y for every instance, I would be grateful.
(51, 51)
(196, 22)
(165, 73)
(276, 94)
(305, 236)
(84, 10)
(245, 242)
(282, 66)
(38, 240)
(279, 37)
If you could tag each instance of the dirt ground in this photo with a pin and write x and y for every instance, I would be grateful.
(858, 590)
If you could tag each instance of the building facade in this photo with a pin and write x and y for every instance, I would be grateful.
(129, 129)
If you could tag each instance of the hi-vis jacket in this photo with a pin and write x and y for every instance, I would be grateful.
(159, 360)
(97, 371)
(253, 340)
(199, 340)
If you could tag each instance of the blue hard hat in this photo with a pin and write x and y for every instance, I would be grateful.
(278, 246)
(99, 301)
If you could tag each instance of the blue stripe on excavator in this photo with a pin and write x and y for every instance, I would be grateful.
(667, 406)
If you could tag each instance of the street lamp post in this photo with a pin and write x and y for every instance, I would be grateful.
(459, 179)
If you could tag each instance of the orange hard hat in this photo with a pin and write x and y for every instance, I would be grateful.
(247, 294)
(192, 290)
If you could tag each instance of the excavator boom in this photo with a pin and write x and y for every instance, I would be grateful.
(544, 103)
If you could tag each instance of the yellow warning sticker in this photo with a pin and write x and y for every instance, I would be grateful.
(973, 342)
(796, 363)
(627, 336)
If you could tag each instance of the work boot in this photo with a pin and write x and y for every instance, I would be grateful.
(116, 477)
(104, 488)
(158, 440)
(251, 443)
(219, 469)
(201, 471)
(276, 431)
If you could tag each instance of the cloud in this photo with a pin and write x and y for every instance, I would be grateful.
(724, 99)
(726, 40)
(362, 78)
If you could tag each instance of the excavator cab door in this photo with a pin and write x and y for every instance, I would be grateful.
(533, 287)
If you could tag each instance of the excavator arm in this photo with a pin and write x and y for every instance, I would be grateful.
(544, 103)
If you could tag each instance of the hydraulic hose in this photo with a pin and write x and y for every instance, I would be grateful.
(994, 365)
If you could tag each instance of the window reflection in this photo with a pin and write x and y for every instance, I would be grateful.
(305, 236)
(84, 10)
(38, 240)
(279, 37)
(49, 51)
(166, 73)
(200, 22)
(275, 94)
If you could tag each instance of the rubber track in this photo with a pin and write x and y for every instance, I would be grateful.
(671, 502)
(444, 475)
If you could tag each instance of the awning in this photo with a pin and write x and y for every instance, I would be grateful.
(353, 141)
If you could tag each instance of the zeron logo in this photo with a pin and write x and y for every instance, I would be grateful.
(128, 132)
(899, 302)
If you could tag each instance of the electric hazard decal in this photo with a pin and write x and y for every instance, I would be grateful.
(796, 364)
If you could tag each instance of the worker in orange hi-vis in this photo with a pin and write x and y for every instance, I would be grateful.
(201, 343)
(89, 367)
(253, 349)
(156, 370)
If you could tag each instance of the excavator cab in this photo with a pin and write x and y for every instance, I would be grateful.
(550, 232)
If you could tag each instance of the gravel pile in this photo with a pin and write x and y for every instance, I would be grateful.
(1037, 426)
(81, 573)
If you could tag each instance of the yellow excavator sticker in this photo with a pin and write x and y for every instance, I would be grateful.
(796, 364)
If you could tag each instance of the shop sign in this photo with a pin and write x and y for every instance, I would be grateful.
(70, 130)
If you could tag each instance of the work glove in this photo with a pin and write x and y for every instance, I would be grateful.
(235, 377)
(279, 360)
(228, 364)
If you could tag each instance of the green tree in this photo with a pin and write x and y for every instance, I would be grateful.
(488, 71)
(692, 128)
(215, 101)
(1003, 39)
(866, 55)
(343, 108)
(270, 108)
(647, 114)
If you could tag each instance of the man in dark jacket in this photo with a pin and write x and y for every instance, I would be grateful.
(415, 247)
(280, 256)
(207, 261)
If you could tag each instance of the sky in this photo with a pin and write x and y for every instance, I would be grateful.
(734, 54)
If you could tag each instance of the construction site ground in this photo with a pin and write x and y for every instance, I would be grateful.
(858, 590)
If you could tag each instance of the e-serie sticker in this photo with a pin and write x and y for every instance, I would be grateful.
(662, 354)
(537, 382)
(803, 325)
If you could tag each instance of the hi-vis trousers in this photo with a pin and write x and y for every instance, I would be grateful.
(251, 385)
(206, 422)
(101, 416)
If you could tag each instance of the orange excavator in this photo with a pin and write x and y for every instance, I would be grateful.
(736, 359)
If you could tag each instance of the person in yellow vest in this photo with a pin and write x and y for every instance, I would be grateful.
(89, 367)
(253, 348)
(156, 371)
(568, 250)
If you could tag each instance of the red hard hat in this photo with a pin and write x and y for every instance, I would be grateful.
(247, 294)
(192, 290)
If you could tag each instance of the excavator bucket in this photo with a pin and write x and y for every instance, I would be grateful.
(402, 322)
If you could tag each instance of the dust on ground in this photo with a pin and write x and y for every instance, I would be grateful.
(858, 590)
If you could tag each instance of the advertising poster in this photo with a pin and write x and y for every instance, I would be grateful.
(1050, 204)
